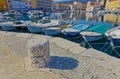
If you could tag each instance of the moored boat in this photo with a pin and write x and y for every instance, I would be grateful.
(69, 32)
(52, 31)
(37, 27)
(55, 20)
(114, 36)
(34, 28)
(91, 36)
(20, 25)
(7, 26)
(74, 30)
(95, 32)
(99, 28)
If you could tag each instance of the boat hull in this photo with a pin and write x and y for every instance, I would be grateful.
(33, 29)
(115, 42)
(7, 27)
(114, 36)
(93, 38)
(52, 32)
(72, 34)
(69, 32)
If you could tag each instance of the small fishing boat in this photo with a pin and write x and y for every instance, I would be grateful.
(69, 32)
(57, 17)
(55, 20)
(74, 30)
(20, 25)
(91, 36)
(7, 26)
(3, 18)
(114, 36)
(37, 27)
(34, 28)
(52, 31)
(95, 32)
(101, 28)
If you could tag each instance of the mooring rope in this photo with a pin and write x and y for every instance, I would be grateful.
(107, 48)
(116, 52)
(113, 48)
(87, 42)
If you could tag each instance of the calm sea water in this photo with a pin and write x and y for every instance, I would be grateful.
(104, 44)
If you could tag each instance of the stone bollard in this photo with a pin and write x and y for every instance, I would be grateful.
(38, 53)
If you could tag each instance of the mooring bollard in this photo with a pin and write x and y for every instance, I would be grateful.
(38, 52)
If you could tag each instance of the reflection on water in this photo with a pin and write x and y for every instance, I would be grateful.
(113, 18)
(110, 18)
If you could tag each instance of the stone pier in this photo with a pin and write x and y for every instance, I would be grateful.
(28, 56)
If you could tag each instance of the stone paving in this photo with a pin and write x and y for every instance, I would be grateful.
(68, 60)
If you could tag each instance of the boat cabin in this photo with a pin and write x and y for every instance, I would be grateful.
(58, 17)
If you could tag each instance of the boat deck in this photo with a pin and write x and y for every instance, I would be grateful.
(115, 33)
(90, 33)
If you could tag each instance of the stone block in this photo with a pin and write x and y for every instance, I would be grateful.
(38, 53)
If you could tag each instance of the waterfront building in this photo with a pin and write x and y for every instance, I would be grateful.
(17, 4)
(69, 5)
(28, 3)
(42, 4)
(62, 7)
(3, 5)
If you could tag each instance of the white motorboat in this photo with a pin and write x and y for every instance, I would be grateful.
(91, 36)
(34, 28)
(114, 36)
(20, 25)
(7, 26)
(2, 18)
(58, 17)
(55, 20)
(37, 27)
(52, 31)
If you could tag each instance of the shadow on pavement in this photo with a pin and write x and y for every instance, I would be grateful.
(62, 63)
